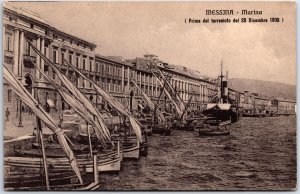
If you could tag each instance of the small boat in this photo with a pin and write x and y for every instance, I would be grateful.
(146, 125)
(217, 121)
(77, 149)
(109, 164)
(57, 153)
(163, 130)
(109, 161)
(25, 179)
(60, 183)
(131, 150)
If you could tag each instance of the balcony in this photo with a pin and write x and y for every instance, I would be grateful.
(29, 58)
(86, 72)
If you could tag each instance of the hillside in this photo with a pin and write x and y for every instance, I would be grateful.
(265, 88)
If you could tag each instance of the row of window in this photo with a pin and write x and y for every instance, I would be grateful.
(83, 64)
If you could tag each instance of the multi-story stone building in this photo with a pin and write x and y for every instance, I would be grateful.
(187, 83)
(22, 26)
(112, 73)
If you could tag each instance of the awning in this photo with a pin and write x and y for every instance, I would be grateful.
(210, 106)
(224, 106)
(50, 103)
(220, 106)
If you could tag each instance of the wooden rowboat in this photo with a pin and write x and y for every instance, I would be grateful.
(106, 163)
(131, 150)
(17, 180)
(24, 180)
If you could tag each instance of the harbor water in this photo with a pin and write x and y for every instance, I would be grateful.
(260, 154)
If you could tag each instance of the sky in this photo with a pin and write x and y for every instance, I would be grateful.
(263, 51)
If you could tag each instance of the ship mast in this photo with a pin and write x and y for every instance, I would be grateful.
(222, 87)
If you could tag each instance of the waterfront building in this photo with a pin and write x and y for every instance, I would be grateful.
(112, 73)
(20, 26)
(186, 82)
(286, 106)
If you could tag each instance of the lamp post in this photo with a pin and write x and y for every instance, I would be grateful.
(20, 113)
(20, 104)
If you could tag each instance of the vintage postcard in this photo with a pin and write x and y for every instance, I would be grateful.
(149, 96)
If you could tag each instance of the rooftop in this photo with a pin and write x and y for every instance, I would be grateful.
(37, 18)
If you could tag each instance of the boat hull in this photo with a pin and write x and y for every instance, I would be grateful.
(131, 152)
(17, 180)
(109, 164)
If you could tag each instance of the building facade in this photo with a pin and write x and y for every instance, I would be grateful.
(20, 27)
(112, 73)
(189, 85)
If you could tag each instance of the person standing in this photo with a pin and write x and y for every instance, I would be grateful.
(7, 114)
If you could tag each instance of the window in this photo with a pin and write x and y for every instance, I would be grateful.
(102, 68)
(28, 49)
(83, 64)
(62, 57)
(97, 67)
(31, 25)
(55, 56)
(83, 83)
(71, 58)
(63, 105)
(115, 70)
(118, 72)
(53, 75)
(91, 65)
(45, 51)
(46, 68)
(109, 70)
(77, 61)
(9, 95)
(106, 69)
(8, 43)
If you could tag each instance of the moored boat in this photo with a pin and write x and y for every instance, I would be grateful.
(105, 164)
(26, 179)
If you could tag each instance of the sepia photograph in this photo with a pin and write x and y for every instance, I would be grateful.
(149, 96)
